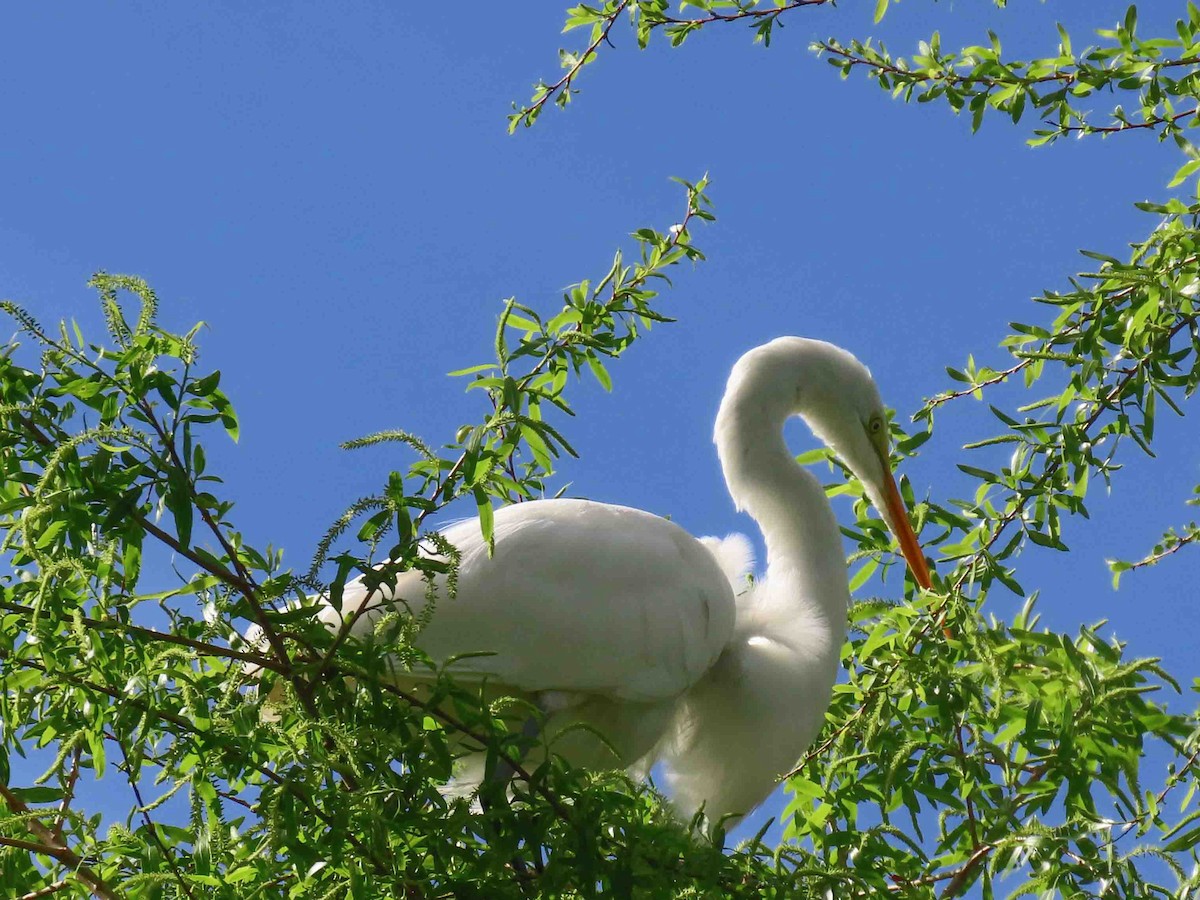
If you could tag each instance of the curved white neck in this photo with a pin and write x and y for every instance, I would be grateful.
(806, 569)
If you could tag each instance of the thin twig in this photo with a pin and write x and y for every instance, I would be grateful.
(1174, 548)
(959, 881)
(996, 379)
(68, 795)
(162, 636)
(529, 113)
(150, 826)
(46, 891)
(770, 12)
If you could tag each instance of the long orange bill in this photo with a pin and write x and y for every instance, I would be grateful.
(904, 532)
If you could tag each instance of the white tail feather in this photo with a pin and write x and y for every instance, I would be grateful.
(735, 556)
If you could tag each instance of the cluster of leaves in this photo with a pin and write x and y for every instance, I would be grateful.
(1011, 753)
(333, 791)
(1156, 74)
(646, 17)
(961, 752)
(1002, 749)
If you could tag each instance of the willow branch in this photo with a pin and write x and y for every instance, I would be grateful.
(54, 848)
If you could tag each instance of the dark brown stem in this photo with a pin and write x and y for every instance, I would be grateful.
(211, 568)
(1180, 542)
(68, 795)
(150, 826)
(961, 877)
(1153, 122)
(46, 891)
(770, 12)
(530, 112)
(161, 636)
(972, 824)
(995, 379)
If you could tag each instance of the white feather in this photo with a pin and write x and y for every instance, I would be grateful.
(735, 556)
(620, 620)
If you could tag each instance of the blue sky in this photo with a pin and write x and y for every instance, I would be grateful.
(336, 195)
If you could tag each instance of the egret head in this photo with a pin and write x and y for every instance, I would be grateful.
(836, 395)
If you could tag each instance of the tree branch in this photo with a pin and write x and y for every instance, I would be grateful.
(54, 848)
(161, 636)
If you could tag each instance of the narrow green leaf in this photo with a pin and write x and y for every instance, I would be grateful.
(486, 518)
(600, 372)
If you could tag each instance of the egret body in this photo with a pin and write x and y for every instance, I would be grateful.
(620, 619)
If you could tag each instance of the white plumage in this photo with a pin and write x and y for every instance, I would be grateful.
(619, 619)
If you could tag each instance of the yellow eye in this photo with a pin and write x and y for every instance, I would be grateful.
(875, 426)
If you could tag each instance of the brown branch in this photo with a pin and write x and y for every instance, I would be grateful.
(150, 826)
(968, 81)
(54, 848)
(529, 113)
(68, 795)
(211, 568)
(972, 824)
(1174, 548)
(161, 636)
(654, 20)
(995, 379)
(1153, 122)
(771, 12)
(37, 434)
(46, 891)
(32, 847)
(959, 881)
(1174, 782)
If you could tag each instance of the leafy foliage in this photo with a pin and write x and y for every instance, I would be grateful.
(333, 790)
(963, 752)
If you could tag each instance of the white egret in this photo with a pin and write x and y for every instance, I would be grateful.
(619, 619)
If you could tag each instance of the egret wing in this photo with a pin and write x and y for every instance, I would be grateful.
(577, 596)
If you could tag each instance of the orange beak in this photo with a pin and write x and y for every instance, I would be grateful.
(897, 517)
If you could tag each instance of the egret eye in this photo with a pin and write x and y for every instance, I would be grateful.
(875, 426)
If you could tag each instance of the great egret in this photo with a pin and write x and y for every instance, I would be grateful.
(619, 619)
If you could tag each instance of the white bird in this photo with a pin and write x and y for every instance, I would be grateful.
(621, 620)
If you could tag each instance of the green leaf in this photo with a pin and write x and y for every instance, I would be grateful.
(471, 370)
(1183, 172)
(881, 634)
(178, 500)
(39, 794)
(600, 372)
(521, 323)
(486, 518)
(865, 571)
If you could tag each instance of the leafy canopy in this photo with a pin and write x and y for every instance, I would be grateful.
(964, 752)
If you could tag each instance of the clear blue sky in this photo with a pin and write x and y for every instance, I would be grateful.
(334, 192)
